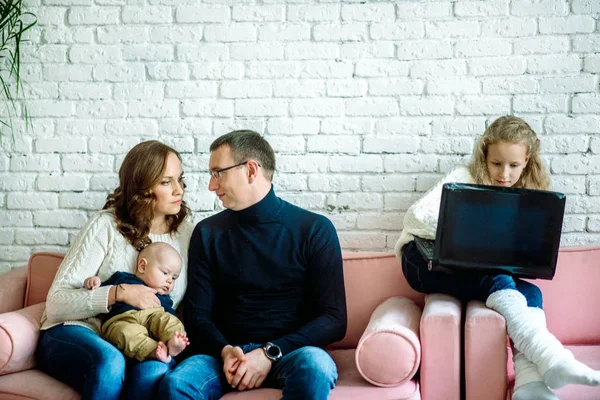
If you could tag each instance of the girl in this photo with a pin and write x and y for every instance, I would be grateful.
(507, 154)
(147, 207)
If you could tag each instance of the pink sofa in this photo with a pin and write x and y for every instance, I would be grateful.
(370, 279)
(571, 303)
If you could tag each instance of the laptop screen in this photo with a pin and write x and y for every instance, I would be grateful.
(516, 229)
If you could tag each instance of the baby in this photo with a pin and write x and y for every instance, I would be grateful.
(154, 333)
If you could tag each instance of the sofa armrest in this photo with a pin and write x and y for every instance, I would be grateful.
(19, 333)
(441, 347)
(485, 353)
(12, 289)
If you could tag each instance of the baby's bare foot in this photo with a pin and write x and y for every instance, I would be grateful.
(177, 343)
(161, 353)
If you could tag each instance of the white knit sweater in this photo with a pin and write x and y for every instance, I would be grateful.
(422, 217)
(101, 250)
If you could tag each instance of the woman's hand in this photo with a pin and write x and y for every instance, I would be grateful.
(138, 296)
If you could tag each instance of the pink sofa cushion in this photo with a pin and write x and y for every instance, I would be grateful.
(389, 351)
(42, 268)
(19, 332)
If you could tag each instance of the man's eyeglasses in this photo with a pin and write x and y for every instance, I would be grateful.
(218, 173)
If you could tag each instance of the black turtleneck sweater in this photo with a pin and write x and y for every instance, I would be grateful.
(269, 273)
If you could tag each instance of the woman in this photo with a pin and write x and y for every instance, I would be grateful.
(147, 207)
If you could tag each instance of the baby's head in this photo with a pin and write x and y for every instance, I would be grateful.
(159, 265)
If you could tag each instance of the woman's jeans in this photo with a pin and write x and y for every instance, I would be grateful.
(80, 358)
(462, 285)
(306, 373)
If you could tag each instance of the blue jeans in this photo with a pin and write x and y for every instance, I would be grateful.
(306, 373)
(80, 358)
(462, 285)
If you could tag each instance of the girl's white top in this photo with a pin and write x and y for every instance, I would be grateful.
(101, 250)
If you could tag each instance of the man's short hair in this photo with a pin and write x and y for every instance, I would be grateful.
(248, 145)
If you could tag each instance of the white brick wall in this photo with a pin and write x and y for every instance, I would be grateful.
(367, 105)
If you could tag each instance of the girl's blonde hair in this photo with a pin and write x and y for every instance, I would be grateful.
(510, 129)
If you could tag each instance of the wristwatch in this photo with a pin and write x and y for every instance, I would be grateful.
(272, 351)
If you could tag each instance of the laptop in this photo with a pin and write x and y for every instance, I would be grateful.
(494, 229)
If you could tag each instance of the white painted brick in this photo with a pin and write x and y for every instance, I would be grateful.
(309, 201)
(146, 52)
(595, 145)
(375, 68)
(120, 73)
(284, 32)
(398, 31)
(586, 43)
(438, 68)
(33, 163)
(59, 218)
(577, 204)
(146, 15)
(122, 34)
(554, 64)
(483, 105)
(316, 107)
(333, 144)
(40, 236)
(50, 108)
(287, 144)
(257, 13)
(557, 124)
(140, 90)
(12, 182)
(593, 224)
(342, 222)
(391, 221)
(579, 239)
(271, 70)
(539, 7)
(55, 145)
(57, 183)
(256, 51)
(426, 182)
(230, 33)
(44, 53)
(391, 144)
(497, 66)
(346, 88)
(453, 145)
(345, 32)
(482, 48)
(87, 163)
(293, 126)
(101, 109)
(359, 51)
(15, 253)
(399, 201)
(326, 69)
(388, 183)
(207, 108)
(31, 201)
(568, 184)
(186, 36)
(168, 71)
(381, 107)
(311, 51)
(574, 223)
(202, 14)
(510, 85)
(112, 145)
(80, 127)
(485, 8)
(360, 163)
(131, 127)
(182, 145)
(570, 24)
(217, 70)
(203, 201)
(576, 164)
(568, 84)
(540, 104)
(541, 45)
(585, 6)
(462, 126)
(68, 35)
(6, 236)
(313, 12)
(352, 126)
(509, 27)
(203, 52)
(290, 182)
(355, 201)
(184, 126)
(424, 49)
(221, 127)
(449, 163)
(84, 91)
(362, 240)
(41, 90)
(585, 103)
(368, 12)
(16, 144)
(50, 15)
(395, 86)
(82, 201)
(594, 186)
(86, 54)
(427, 105)
(196, 163)
(333, 183)
(93, 15)
(415, 11)
(231, 90)
(69, 2)
(66, 73)
(12, 218)
(454, 86)
(591, 63)
(410, 163)
(260, 107)
(452, 29)
(565, 144)
(405, 126)
(299, 88)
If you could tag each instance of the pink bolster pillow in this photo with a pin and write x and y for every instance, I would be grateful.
(19, 333)
(389, 351)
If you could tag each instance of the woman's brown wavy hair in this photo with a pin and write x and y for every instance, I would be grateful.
(513, 130)
(133, 201)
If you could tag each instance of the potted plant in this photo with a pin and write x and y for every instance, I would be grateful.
(14, 22)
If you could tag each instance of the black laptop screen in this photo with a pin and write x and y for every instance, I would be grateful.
(503, 227)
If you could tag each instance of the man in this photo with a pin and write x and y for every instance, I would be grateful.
(265, 288)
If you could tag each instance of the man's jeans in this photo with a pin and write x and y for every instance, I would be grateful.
(80, 358)
(462, 285)
(306, 373)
